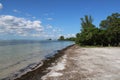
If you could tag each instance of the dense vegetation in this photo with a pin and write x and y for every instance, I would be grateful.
(108, 34)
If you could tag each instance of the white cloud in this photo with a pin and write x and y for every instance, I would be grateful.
(16, 11)
(27, 14)
(11, 25)
(34, 17)
(1, 6)
(49, 26)
(23, 27)
(46, 14)
(49, 19)
(19, 26)
(57, 30)
(69, 35)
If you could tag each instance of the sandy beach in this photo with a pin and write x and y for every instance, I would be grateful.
(87, 64)
(78, 63)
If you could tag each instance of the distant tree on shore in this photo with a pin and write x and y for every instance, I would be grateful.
(67, 39)
(108, 34)
(50, 39)
(61, 38)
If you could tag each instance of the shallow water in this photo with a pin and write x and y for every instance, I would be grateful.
(19, 55)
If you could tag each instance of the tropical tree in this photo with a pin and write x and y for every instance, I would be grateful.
(107, 35)
(86, 35)
(111, 21)
(86, 22)
(61, 38)
(112, 27)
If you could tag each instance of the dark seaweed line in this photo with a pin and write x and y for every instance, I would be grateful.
(38, 71)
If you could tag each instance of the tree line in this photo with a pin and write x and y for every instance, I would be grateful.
(108, 34)
(67, 39)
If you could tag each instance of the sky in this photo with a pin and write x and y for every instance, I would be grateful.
(44, 19)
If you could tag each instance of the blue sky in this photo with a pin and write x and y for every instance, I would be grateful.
(43, 19)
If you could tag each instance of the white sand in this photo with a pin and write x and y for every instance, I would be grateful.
(54, 70)
(87, 64)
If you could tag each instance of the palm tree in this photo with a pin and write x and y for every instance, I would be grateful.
(86, 22)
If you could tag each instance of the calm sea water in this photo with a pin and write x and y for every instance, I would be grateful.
(16, 55)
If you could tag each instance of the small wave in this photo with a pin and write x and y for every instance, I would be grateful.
(23, 71)
(52, 54)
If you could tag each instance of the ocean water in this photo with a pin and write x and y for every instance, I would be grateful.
(18, 56)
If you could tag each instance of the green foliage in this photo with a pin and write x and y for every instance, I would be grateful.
(107, 35)
(77, 40)
(61, 38)
(86, 22)
(111, 21)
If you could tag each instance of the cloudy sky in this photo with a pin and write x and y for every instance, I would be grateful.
(43, 19)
